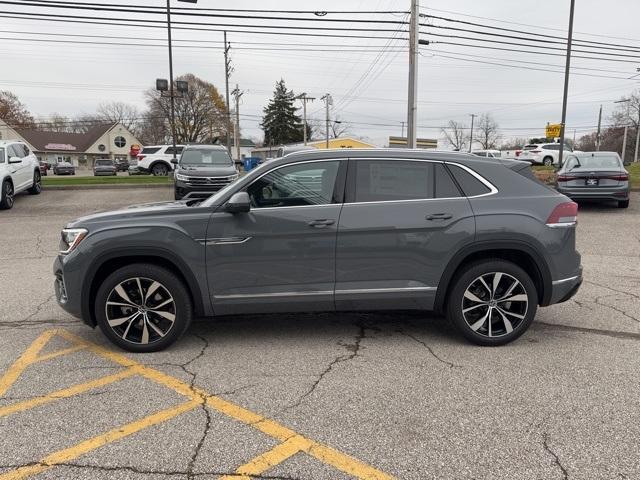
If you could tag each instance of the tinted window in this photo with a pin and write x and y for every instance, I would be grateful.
(296, 185)
(551, 147)
(104, 162)
(530, 147)
(444, 184)
(384, 180)
(15, 151)
(470, 185)
(2, 157)
(205, 157)
(480, 154)
(26, 150)
(169, 150)
(149, 150)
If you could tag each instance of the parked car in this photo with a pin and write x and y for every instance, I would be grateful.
(104, 166)
(594, 176)
(487, 153)
(43, 168)
(203, 170)
(156, 159)
(19, 171)
(121, 165)
(330, 230)
(64, 168)
(542, 153)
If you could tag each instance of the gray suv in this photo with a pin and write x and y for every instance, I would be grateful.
(477, 239)
(203, 170)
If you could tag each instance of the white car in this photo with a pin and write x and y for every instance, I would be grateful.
(487, 153)
(542, 153)
(19, 171)
(156, 159)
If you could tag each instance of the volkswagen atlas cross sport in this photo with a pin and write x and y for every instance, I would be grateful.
(477, 239)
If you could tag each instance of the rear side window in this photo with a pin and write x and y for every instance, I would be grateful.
(444, 184)
(169, 150)
(150, 150)
(551, 147)
(386, 180)
(470, 185)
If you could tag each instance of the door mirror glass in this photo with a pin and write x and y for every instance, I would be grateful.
(239, 203)
(15, 160)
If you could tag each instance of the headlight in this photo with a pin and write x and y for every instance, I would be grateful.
(70, 238)
(182, 178)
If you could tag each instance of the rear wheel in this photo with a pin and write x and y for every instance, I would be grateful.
(492, 302)
(548, 161)
(143, 308)
(36, 188)
(160, 170)
(623, 203)
(6, 195)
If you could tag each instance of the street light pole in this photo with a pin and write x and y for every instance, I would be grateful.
(412, 96)
(626, 127)
(566, 82)
(598, 133)
(171, 92)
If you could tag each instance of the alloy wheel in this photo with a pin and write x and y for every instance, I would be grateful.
(37, 182)
(8, 194)
(494, 304)
(140, 310)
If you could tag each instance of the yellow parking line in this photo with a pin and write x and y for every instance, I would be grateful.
(270, 459)
(26, 359)
(69, 454)
(272, 428)
(59, 353)
(67, 392)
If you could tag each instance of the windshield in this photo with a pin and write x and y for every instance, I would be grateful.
(205, 157)
(1, 155)
(601, 162)
(103, 162)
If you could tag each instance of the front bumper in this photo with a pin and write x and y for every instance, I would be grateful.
(565, 288)
(187, 190)
(104, 172)
(64, 171)
(67, 288)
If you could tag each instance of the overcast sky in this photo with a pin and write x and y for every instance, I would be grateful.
(368, 88)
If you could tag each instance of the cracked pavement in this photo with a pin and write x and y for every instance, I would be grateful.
(400, 391)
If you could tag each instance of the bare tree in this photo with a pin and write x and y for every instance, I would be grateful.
(456, 135)
(13, 111)
(119, 112)
(338, 128)
(488, 133)
(514, 143)
(55, 123)
(200, 113)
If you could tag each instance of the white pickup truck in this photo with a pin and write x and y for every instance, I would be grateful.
(19, 171)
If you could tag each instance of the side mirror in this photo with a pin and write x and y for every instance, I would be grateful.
(239, 203)
(15, 160)
(174, 161)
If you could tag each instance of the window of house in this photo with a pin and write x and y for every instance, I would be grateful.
(120, 141)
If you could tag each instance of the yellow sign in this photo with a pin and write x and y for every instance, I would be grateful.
(552, 130)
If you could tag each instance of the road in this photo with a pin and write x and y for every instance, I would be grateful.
(322, 396)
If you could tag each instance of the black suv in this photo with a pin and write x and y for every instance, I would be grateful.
(330, 230)
(203, 170)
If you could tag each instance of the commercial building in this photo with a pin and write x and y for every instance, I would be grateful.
(111, 140)
(276, 151)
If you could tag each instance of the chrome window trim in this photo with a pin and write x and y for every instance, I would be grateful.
(223, 240)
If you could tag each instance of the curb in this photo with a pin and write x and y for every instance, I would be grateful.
(107, 186)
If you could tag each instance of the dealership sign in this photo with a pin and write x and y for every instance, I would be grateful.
(59, 146)
(552, 130)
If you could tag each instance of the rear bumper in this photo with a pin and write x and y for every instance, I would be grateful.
(596, 193)
(565, 288)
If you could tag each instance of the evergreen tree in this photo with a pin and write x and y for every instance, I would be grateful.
(280, 123)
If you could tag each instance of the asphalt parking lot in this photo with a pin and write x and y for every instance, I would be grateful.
(323, 396)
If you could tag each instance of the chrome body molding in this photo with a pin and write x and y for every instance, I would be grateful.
(385, 290)
(223, 240)
(325, 292)
(565, 280)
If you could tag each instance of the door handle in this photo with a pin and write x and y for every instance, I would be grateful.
(439, 216)
(320, 223)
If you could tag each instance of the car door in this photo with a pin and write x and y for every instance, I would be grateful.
(280, 256)
(399, 225)
(20, 170)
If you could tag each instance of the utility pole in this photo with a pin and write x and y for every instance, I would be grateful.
(327, 101)
(598, 133)
(402, 136)
(305, 99)
(412, 95)
(236, 130)
(171, 91)
(566, 81)
(473, 115)
(626, 127)
(635, 155)
(227, 74)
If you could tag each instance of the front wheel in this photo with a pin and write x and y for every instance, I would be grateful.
(623, 203)
(36, 188)
(160, 170)
(492, 302)
(547, 162)
(143, 308)
(6, 195)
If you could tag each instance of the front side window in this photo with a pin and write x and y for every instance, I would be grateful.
(15, 151)
(295, 185)
(387, 180)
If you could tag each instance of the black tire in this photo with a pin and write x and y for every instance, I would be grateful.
(623, 203)
(503, 331)
(547, 161)
(176, 195)
(6, 195)
(45, 174)
(36, 188)
(170, 286)
(160, 170)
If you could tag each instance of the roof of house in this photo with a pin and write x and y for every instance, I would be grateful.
(45, 140)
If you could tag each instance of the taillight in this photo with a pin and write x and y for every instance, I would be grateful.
(518, 152)
(621, 178)
(563, 178)
(536, 151)
(564, 215)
